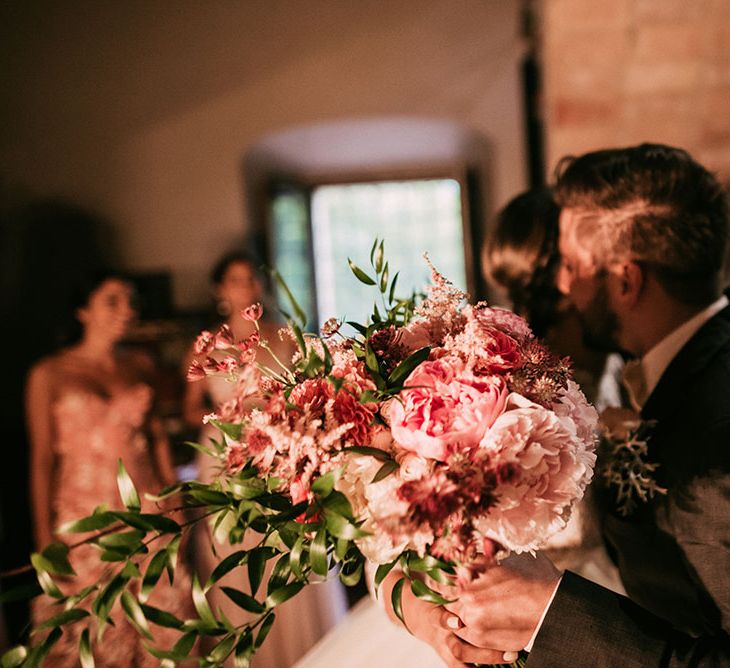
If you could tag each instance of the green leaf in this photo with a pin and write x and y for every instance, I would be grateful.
(423, 591)
(337, 502)
(298, 311)
(382, 572)
(161, 617)
(391, 294)
(65, 617)
(127, 490)
(350, 578)
(153, 574)
(426, 563)
(367, 450)
(318, 553)
(379, 254)
(403, 370)
(48, 585)
(53, 559)
(184, 646)
(201, 604)
(167, 492)
(242, 600)
(21, 593)
(14, 657)
(279, 574)
(284, 593)
(224, 567)
(221, 651)
(371, 361)
(264, 630)
(296, 557)
(127, 541)
(341, 547)
(341, 527)
(210, 497)
(361, 329)
(384, 279)
(257, 559)
(173, 547)
(372, 251)
(231, 429)
(324, 484)
(244, 650)
(86, 657)
(92, 523)
(385, 470)
(396, 599)
(299, 336)
(150, 522)
(359, 273)
(134, 613)
(104, 602)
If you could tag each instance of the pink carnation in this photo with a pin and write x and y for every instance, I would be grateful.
(544, 468)
(347, 409)
(445, 408)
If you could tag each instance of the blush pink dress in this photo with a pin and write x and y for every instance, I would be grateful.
(92, 432)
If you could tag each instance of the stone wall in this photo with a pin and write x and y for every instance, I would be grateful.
(628, 71)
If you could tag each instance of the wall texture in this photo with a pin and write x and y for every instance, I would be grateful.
(144, 111)
(629, 71)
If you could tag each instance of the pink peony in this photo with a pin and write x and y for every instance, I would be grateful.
(544, 467)
(445, 408)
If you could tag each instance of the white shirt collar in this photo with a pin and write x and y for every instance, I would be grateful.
(655, 362)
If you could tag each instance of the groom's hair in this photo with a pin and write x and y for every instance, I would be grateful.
(655, 205)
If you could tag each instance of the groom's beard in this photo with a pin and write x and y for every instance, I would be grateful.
(600, 323)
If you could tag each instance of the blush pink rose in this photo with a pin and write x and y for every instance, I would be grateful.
(549, 467)
(445, 408)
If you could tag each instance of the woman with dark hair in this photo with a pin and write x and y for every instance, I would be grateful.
(87, 406)
(238, 283)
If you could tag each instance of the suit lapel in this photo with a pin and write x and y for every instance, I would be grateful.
(690, 361)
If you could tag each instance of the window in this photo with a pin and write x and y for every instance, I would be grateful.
(316, 229)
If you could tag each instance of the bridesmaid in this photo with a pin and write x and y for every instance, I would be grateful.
(87, 406)
(301, 621)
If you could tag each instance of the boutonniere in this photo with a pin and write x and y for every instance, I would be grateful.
(626, 468)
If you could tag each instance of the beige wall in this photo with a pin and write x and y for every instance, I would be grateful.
(630, 71)
(145, 110)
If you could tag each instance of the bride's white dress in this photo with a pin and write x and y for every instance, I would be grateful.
(366, 638)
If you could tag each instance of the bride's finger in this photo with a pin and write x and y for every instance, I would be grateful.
(449, 621)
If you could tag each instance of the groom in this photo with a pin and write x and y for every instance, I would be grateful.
(643, 236)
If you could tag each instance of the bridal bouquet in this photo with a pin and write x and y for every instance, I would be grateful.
(437, 436)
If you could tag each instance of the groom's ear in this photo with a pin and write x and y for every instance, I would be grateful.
(631, 283)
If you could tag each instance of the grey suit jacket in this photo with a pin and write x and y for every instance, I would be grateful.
(673, 553)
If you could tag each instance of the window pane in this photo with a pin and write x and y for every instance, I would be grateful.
(290, 249)
(412, 217)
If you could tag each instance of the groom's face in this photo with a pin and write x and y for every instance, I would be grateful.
(584, 281)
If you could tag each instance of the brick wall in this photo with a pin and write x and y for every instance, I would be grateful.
(620, 72)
